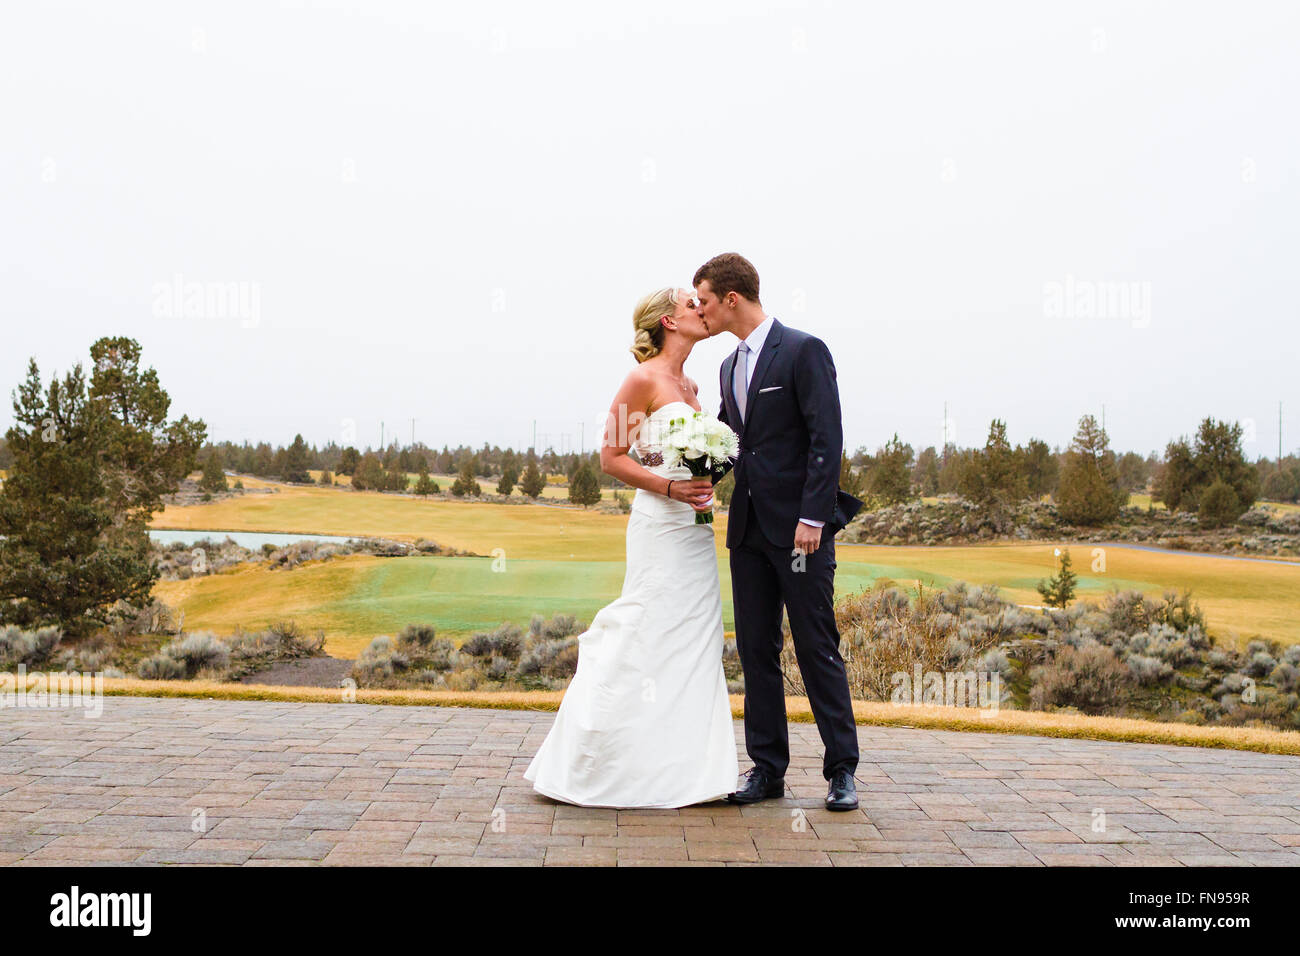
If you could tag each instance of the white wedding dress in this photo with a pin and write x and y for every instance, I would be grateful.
(646, 721)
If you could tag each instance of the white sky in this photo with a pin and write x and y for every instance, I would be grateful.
(447, 211)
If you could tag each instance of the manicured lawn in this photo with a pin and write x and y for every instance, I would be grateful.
(560, 559)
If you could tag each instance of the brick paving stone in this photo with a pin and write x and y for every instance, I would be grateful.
(289, 784)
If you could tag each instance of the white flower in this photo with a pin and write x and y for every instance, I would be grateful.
(700, 436)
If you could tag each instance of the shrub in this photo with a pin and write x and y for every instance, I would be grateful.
(29, 648)
(1232, 685)
(1219, 505)
(1090, 679)
(506, 641)
(152, 618)
(418, 635)
(884, 633)
(161, 667)
(379, 660)
(1285, 677)
(199, 652)
(1261, 663)
(550, 658)
(1148, 670)
(561, 625)
(997, 662)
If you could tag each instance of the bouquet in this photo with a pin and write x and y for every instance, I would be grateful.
(701, 443)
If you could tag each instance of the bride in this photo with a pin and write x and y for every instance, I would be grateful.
(646, 721)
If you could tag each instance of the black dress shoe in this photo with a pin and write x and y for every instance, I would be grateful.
(759, 785)
(843, 794)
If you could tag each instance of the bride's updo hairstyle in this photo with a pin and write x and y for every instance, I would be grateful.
(645, 319)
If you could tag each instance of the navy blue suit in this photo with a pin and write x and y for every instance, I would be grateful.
(791, 440)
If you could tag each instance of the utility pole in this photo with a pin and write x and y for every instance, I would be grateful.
(381, 436)
(534, 436)
(1279, 434)
(412, 432)
(582, 438)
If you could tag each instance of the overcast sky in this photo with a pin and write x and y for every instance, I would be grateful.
(446, 211)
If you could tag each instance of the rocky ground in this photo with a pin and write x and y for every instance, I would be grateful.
(1264, 531)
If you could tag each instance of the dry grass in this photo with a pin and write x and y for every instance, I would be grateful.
(1032, 723)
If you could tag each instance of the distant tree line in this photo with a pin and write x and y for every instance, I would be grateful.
(404, 467)
(1208, 474)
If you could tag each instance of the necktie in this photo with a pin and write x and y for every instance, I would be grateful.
(740, 378)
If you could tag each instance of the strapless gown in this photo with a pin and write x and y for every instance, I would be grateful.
(646, 720)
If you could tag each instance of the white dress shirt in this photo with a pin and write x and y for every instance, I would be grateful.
(755, 340)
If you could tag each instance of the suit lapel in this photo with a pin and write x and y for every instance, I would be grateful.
(765, 356)
(728, 396)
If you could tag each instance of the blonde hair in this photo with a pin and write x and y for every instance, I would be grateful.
(649, 338)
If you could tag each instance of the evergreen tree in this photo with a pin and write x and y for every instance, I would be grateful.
(348, 461)
(465, 483)
(533, 482)
(90, 466)
(295, 464)
(584, 489)
(1216, 456)
(509, 475)
(424, 485)
(1039, 468)
(214, 478)
(1058, 590)
(851, 480)
(1219, 505)
(369, 474)
(925, 474)
(991, 477)
(145, 456)
(1089, 492)
(890, 478)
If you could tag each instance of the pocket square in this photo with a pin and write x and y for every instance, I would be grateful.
(771, 388)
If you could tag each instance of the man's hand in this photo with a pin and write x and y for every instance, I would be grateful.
(696, 492)
(806, 538)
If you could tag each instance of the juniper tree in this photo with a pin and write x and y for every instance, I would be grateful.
(584, 488)
(1089, 491)
(533, 482)
(296, 460)
(214, 477)
(424, 485)
(91, 465)
(465, 483)
(1058, 590)
(509, 475)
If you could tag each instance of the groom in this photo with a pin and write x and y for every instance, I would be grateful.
(779, 395)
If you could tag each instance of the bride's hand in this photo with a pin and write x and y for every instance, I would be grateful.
(696, 492)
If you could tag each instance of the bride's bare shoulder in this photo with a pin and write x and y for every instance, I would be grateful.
(638, 387)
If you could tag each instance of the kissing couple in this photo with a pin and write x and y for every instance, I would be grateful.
(646, 720)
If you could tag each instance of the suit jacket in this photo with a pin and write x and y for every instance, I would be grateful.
(791, 439)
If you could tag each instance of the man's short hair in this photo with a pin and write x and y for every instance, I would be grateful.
(729, 272)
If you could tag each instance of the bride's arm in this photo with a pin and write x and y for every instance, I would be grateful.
(626, 414)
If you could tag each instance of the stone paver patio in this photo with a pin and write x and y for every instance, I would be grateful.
(156, 781)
